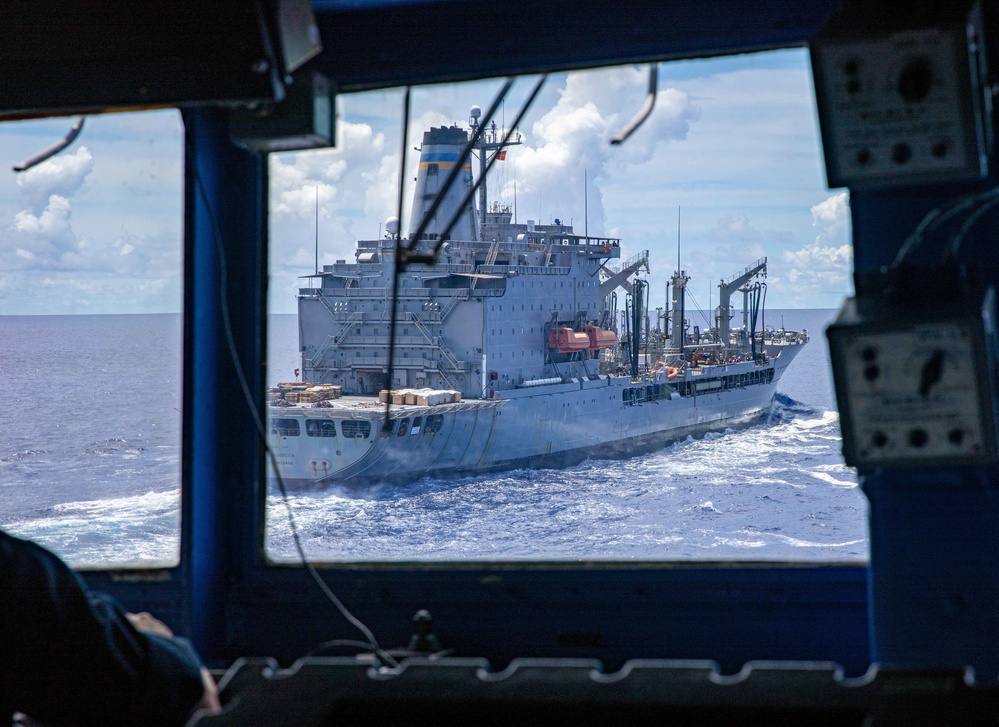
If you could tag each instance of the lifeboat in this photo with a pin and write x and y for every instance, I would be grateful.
(600, 339)
(566, 340)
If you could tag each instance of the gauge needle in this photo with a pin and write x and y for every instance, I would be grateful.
(932, 371)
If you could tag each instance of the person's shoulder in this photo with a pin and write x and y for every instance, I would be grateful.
(27, 559)
(12, 547)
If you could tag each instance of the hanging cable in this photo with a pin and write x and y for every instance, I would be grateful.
(372, 642)
(646, 316)
(763, 314)
(705, 316)
(937, 217)
(399, 262)
(955, 246)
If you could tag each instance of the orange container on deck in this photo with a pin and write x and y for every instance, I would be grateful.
(599, 338)
(566, 340)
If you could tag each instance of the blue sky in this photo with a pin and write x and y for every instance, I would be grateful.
(732, 147)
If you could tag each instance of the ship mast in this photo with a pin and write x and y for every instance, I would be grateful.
(491, 140)
(679, 282)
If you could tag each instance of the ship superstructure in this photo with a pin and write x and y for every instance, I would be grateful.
(515, 323)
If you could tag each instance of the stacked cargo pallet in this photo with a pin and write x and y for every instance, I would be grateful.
(419, 397)
(298, 392)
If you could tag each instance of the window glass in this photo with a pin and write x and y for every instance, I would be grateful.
(606, 442)
(285, 427)
(320, 428)
(90, 318)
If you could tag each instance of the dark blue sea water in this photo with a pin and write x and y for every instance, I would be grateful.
(90, 435)
(90, 462)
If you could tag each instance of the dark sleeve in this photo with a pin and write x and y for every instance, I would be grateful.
(71, 657)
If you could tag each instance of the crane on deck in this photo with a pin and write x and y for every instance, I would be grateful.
(726, 288)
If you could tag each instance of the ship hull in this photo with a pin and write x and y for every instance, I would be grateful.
(545, 427)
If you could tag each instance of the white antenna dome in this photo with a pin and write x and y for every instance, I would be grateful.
(392, 225)
(475, 112)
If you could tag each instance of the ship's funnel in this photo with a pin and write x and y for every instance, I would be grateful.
(438, 156)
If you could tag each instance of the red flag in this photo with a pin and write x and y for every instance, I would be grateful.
(501, 155)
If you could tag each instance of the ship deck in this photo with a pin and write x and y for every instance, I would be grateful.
(368, 407)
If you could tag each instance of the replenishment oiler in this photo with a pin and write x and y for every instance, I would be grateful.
(509, 351)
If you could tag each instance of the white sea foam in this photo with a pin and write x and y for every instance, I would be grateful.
(826, 477)
(801, 543)
(142, 528)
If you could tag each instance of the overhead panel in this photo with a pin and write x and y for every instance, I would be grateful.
(77, 56)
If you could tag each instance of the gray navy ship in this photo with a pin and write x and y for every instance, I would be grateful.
(509, 349)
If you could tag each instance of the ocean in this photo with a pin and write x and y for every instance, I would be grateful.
(90, 463)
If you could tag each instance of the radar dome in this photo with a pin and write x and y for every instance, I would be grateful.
(392, 225)
(475, 112)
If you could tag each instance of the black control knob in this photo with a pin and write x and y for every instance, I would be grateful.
(915, 80)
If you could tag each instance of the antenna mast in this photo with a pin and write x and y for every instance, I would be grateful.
(490, 141)
(678, 237)
(514, 163)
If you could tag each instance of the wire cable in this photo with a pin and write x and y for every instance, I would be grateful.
(399, 263)
(763, 306)
(937, 217)
(955, 245)
(261, 431)
(700, 310)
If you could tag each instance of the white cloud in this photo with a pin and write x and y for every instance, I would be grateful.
(302, 200)
(47, 242)
(42, 235)
(736, 227)
(295, 177)
(353, 182)
(832, 215)
(572, 140)
(824, 266)
(61, 175)
(381, 195)
(98, 226)
(47, 239)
